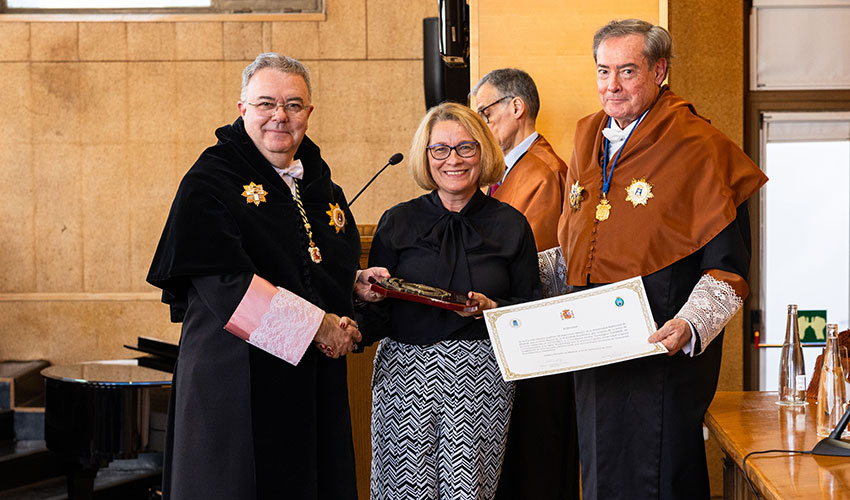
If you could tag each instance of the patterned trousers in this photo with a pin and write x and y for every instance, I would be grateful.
(440, 416)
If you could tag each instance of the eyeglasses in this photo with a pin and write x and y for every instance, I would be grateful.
(442, 151)
(268, 108)
(481, 111)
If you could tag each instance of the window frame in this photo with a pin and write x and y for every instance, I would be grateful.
(247, 8)
(756, 103)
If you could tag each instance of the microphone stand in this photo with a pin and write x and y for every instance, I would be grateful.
(833, 445)
(394, 159)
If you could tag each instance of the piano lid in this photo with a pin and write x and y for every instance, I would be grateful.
(123, 372)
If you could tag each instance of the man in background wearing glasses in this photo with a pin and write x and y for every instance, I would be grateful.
(541, 456)
(260, 272)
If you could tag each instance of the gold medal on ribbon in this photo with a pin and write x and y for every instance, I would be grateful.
(337, 217)
(254, 193)
(313, 250)
(639, 192)
(576, 196)
(603, 210)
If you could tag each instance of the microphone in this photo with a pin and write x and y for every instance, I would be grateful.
(394, 160)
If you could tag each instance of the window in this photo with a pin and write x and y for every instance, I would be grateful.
(798, 95)
(800, 44)
(103, 4)
(208, 6)
(805, 226)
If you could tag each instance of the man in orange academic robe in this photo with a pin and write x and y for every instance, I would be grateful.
(533, 182)
(541, 455)
(654, 191)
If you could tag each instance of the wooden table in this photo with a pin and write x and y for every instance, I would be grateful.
(752, 421)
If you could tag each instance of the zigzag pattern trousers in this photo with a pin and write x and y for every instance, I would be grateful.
(440, 416)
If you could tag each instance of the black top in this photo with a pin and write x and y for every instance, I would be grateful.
(487, 247)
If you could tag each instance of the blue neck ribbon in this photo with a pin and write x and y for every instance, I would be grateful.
(608, 174)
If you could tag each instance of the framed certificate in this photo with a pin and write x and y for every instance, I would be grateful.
(398, 288)
(595, 327)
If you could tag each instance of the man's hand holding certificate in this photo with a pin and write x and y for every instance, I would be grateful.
(581, 330)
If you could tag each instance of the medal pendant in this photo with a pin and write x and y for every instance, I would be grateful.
(603, 210)
(315, 254)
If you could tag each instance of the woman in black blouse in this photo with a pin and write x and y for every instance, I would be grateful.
(440, 408)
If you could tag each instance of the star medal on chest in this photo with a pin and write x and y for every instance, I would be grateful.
(603, 209)
(639, 192)
(254, 193)
(337, 217)
(576, 197)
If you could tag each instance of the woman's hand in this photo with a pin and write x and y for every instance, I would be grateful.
(362, 287)
(481, 301)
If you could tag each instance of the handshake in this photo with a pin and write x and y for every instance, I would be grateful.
(337, 336)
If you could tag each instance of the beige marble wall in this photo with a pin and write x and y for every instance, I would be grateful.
(708, 70)
(99, 121)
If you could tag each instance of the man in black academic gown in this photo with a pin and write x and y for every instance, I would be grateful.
(258, 259)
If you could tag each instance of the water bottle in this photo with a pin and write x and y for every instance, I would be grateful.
(792, 370)
(831, 391)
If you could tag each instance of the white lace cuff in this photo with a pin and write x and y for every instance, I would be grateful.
(275, 320)
(711, 305)
(553, 272)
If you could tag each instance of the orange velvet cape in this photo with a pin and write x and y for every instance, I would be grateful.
(535, 187)
(698, 177)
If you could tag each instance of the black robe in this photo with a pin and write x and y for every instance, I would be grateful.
(640, 421)
(244, 424)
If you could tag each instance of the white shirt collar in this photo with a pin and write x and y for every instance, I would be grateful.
(616, 144)
(516, 153)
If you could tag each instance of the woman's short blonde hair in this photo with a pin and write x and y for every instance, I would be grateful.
(492, 162)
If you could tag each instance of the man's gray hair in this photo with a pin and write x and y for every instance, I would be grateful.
(657, 42)
(513, 82)
(279, 62)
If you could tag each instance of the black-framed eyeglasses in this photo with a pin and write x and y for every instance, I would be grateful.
(269, 107)
(464, 150)
(481, 111)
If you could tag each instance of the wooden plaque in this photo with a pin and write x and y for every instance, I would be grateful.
(397, 288)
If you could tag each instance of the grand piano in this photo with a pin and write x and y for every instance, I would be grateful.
(98, 412)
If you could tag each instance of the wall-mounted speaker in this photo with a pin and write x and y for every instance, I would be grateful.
(454, 32)
(445, 75)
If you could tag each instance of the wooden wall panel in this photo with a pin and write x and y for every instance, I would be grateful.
(708, 70)
(552, 41)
